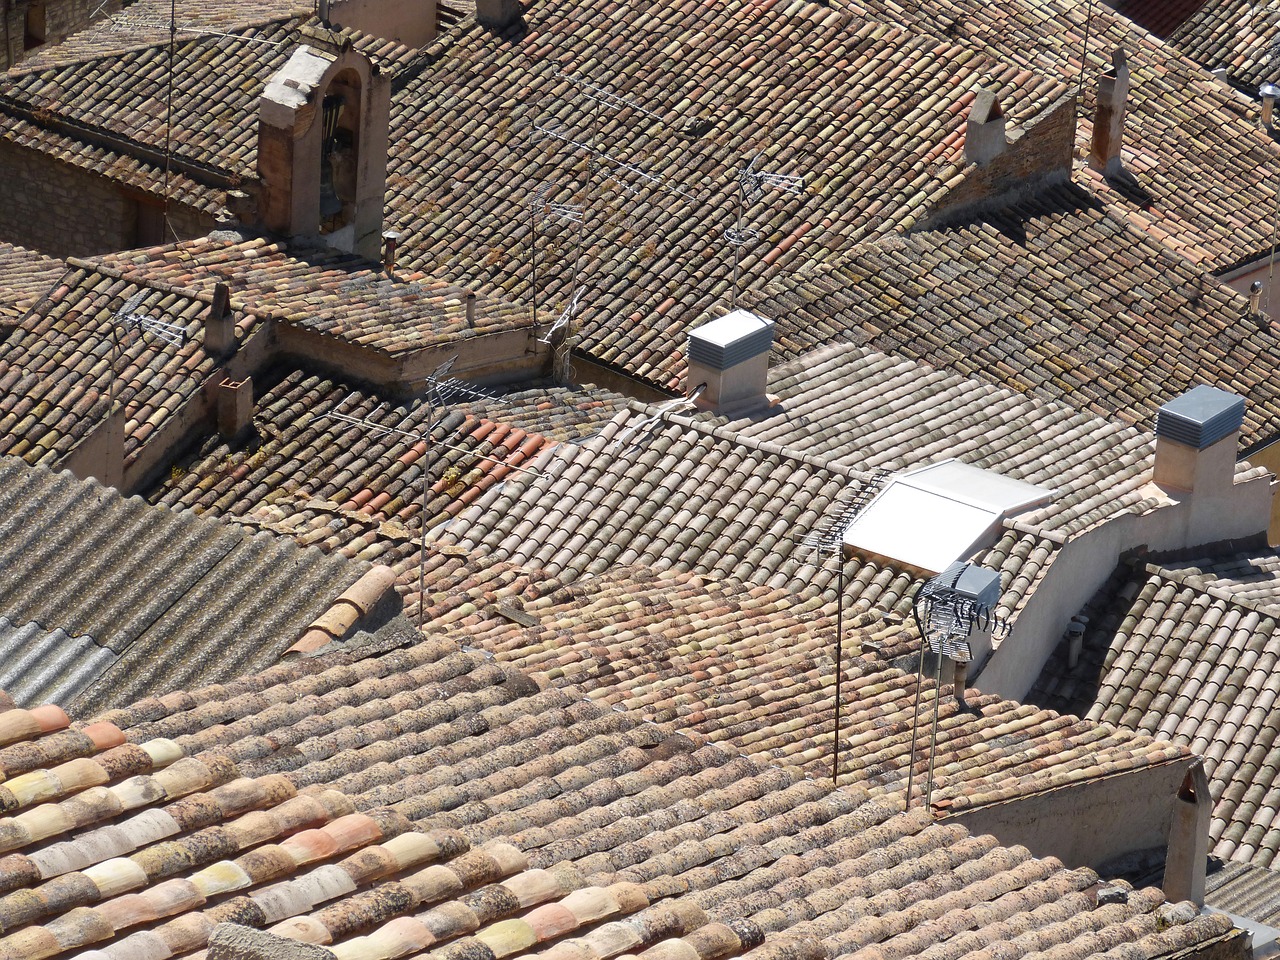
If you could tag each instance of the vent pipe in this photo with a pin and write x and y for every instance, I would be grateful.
(1075, 641)
(471, 309)
(1255, 298)
(1268, 92)
(390, 243)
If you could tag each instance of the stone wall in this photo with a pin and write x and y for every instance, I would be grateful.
(1040, 152)
(63, 211)
(61, 18)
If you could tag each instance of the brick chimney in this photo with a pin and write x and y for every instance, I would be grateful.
(729, 359)
(984, 135)
(235, 407)
(1108, 122)
(1196, 438)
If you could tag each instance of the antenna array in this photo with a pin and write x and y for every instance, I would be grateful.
(751, 186)
(828, 539)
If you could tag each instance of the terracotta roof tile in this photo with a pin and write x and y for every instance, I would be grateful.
(1176, 655)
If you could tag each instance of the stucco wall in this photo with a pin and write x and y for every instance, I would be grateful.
(1087, 824)
(1085, 563)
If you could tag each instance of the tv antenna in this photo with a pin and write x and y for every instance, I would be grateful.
(751, 186)
(441, 390)
(948, 614)
(631, 435)
(826, 541)
(129, 318)
(602, 97)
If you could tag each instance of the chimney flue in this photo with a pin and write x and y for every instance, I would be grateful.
(1255, 297)
(984, 134)
(1108, 123)
(471, 309)
(219, 327)
(729, 360)
(1268, 92)
(1196, 436)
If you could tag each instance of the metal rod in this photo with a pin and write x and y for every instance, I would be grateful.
(835, 755)
(915, 719)
(422, 519)
(933, 737)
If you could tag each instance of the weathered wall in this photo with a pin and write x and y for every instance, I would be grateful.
(411, 22)
(61, 18)
(64, 211)
(1087, 824)
(1042, 150)
(1082, 565)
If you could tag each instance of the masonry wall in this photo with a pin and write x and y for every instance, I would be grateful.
(61, 18)
(63, 211)
(1088, 824)
(1043, 151)
(1084, 563)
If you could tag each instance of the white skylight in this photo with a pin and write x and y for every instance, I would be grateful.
(931, 516)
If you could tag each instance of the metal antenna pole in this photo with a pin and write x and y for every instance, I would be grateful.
(751, 184)
(915, 716)
(835, 754)
(933, 736)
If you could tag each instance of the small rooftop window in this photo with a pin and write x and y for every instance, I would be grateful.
(930, 517)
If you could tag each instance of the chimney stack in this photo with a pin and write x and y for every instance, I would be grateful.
(731, 357)
(497, 14)
(984, 135)
(235, 407)
(1108, 122)
(1196, 437)
(1268, 92)
(219, 327)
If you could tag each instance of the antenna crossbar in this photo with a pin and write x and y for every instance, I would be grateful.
(379, 429)
(608, 96)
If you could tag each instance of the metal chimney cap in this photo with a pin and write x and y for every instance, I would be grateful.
(732, 339)
(1269, 90)
(1200, 417)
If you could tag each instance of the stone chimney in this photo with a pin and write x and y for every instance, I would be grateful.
(1108, 122)
(323, 122)
(498, 14)
(984, 135)
(1196, 438)
(219, 327)
(729, 360)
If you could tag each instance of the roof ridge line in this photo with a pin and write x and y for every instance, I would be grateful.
(1197, 581)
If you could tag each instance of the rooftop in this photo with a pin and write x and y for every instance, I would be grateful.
(1052, 296)
(357, 489)
(278, 801)
(1237, 35)
(104, 599)
(1202, 164)
(1180, 656)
